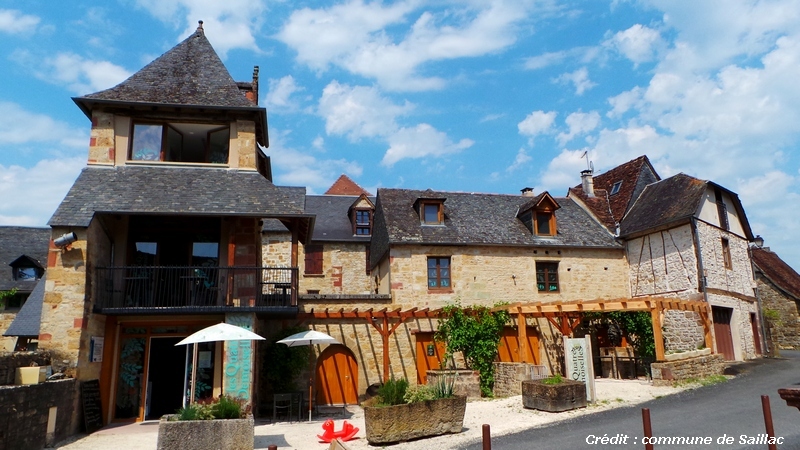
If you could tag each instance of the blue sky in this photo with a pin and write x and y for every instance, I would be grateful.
(478, 96)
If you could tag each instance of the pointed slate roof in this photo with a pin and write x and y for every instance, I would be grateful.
(777, 271)
(633, 175)
(29, 317)
(191, 73)
(346, 186)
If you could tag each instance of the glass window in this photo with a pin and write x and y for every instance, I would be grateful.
(146, 143)
(363, 222)
(547, 277)
(544, 223)
(726, 254)
(26, 274)
(431, 213)
(438, 273)
(615, 187)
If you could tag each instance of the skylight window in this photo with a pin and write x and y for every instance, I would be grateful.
(615, 187)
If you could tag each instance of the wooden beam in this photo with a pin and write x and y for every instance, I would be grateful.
(522, 336)
(658, 337)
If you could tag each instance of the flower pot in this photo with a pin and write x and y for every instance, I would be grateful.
(399, 423)
(564, 396)
(230, 434)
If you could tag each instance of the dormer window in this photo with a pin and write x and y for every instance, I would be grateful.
(545, 223)
(363, 222)
(432, 213)
(180, 142)
(615, 188)
(26, 268)
(539, 215)
(25, 274)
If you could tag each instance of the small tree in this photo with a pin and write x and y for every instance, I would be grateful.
(475, 331)
(283, 364)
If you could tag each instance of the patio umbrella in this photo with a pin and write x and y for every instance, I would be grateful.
(309, 337)
(215, 333)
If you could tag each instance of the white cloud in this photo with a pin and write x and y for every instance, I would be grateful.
(419, 142)
(521, 159)
(80, 75)
(579, 78)
(357, 40)
(45, 185)
(17, 125)
(638, 43)
(562, 170)
(280, 93)
(358, 111)
(582, 54)
(536, 123)
(15, 22)
(579, 123)
(228, 24)
(294, 167)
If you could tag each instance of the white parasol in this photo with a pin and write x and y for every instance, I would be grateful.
(215, 333)
(310, 337)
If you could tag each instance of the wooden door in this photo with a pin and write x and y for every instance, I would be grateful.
(722, 331)
(337, 377)
(430, 355)
(508, 349)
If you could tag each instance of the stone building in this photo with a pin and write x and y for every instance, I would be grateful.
(779, 292)
(167, 217)
(685, 238)
(23, 256)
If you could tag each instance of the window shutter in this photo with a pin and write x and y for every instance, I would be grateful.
(313, 260)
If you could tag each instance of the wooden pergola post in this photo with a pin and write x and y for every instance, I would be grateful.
(522, 335)
(658, 337)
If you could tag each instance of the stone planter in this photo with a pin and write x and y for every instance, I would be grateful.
(399, 423)
(230, 434)
(564, 396)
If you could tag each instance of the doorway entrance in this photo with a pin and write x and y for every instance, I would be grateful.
(337, 377)
(166, 377)
(722, 331)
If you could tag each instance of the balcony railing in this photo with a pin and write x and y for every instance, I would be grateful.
(194, 288)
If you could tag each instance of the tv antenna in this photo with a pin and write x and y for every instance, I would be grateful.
(589, 164)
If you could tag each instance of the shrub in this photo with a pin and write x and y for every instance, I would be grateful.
(227, 408)
(195, 411)
(393, 391)
(445, 386)
(553, 379)
(419, 393)
(220, 408)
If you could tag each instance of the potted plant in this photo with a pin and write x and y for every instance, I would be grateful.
(426, 410)
(553, 394)
(224, 422)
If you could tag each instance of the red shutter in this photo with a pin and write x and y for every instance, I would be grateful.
(313, 260)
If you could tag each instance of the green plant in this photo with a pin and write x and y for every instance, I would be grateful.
(393, 391)
(419, 393)
(553, 379)
(282, 364)
(195, 411)
(773, 316)
(223, 407)
(5, 295)
(636, 325)
(474, 331)
(227, 408)
(445, 386)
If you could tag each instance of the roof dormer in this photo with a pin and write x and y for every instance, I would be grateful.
(539, 215)
(430, 209)
(26, 268)
(361, 216)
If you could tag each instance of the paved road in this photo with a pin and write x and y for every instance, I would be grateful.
(725, 410)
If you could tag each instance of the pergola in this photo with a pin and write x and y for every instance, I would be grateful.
(565, 316)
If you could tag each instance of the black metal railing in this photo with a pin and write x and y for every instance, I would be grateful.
(195, 287)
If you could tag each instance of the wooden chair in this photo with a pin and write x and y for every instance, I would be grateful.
(282, 403)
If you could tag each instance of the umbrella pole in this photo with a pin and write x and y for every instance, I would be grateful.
(310, 379)
(194, 373)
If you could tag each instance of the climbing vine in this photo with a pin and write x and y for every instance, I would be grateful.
(475, 331)
(637, 326)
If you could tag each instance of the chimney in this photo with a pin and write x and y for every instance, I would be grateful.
(255, 84)
(200, 27)
(587, 183)
(527, 192)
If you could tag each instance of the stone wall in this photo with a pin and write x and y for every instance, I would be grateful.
(682, 330)
(669, 372)
(663, 262)
(7, 343)
(488, 275)
(508, 378)
(344, 270)
(10, 361)
(38, 415)
(101, 140)
(782, 315)
(467, 383)
(276, 249)
(246, 140)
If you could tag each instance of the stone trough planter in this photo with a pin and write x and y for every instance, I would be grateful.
(400, 423)
(230, 434)
(564, 396)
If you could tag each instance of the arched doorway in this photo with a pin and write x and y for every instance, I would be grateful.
(337, 377)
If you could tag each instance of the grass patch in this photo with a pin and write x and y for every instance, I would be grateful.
(705, 381)
(553, 379)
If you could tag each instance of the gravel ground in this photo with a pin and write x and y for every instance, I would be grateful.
(502, 415)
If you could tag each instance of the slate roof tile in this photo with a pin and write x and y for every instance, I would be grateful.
(668, 201)
(29, 317)
(16, 242)
(171, 190)
(777, 271)
(333, 222)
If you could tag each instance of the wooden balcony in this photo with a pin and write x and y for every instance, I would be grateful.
(195, 290)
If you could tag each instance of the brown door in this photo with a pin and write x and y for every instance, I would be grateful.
(430, 355)
(508, 350)
(722, 331)
(337, 377)
(756, 335)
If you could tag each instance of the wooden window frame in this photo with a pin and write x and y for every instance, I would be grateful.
(546, 268)
(439, 213)
(722, 210)
(313, 259)
(169, 125)
(726, 253)
(438, 273)
(362, 225)
(551, 222)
